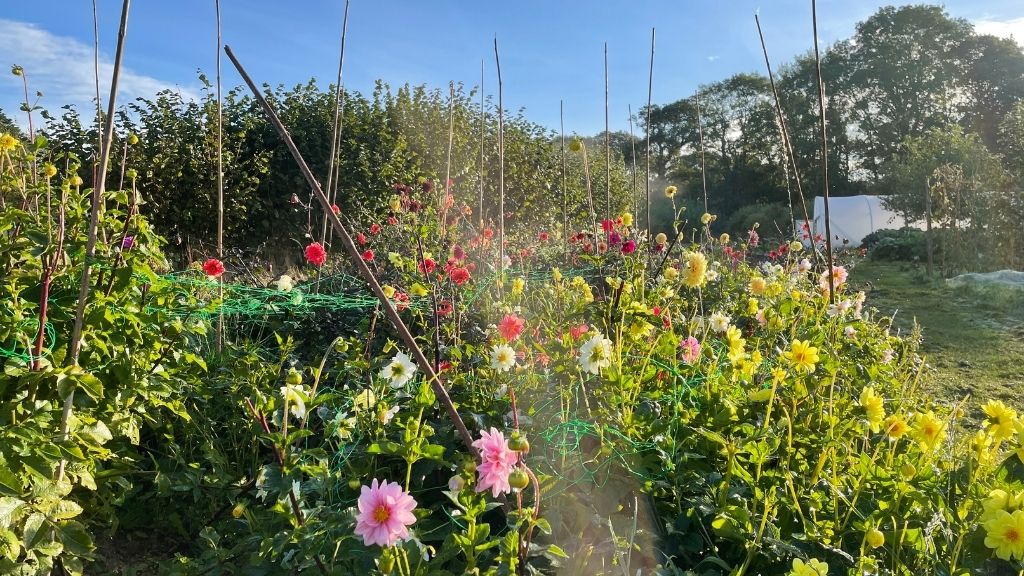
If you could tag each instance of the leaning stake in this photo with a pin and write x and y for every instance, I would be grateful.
(364, 270)
(790, 157)
(647, 188)
(94, 220)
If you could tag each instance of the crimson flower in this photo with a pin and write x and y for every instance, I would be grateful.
(629, 247)
(335, 209)
(315, 254)
(368, 255)
(361, 238)
(374, 228)
(460, 276)
(543, 236)
(607, 225)
(444, 308)
(427, 266)
(213, 268)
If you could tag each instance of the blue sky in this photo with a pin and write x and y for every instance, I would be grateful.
(550, 49)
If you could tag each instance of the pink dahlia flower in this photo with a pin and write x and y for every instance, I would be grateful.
(691, 349)
(839, 275)
(385, 513)
(510, 327)
(496, 462)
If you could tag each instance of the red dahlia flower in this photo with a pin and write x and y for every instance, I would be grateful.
(213, 268)
(460, 276)
(315, 254)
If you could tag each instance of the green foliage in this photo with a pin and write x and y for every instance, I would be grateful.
(387, 138)
(774, 219)
(54, 485)
(909, 73)
(969, 195)
(1011, 142)
(769, 444)
(906, 245)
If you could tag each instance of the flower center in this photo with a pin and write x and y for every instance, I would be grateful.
(381, 514)
(397, 370)
(1012, 535)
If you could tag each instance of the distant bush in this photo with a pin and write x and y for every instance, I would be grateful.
(907, 244)
(773, 218)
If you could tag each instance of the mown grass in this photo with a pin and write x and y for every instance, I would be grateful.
(973, 338)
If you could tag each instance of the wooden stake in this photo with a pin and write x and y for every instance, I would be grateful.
(607, 145)
(650, 88)
(220, 188)
(353, 252)
(339, 99)
(501, 174)
(790, 157)
(632, 143)
(75, 347)
(565, 191)
(824, 157)
(480, 167)
(700, 136)
(442, 207)
(928, 224)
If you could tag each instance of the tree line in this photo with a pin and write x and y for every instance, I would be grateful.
(912, 95)
(920, 109)
(388, 138)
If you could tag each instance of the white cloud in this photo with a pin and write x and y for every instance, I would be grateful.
(62, 69)
(713, 58)
(1003, 28)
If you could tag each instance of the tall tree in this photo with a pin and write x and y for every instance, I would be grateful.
(904, 76)
(995, 81)
(1011, 143)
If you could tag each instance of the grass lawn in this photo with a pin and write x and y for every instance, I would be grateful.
(973, 338)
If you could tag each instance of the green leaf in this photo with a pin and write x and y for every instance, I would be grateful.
(65, 510)
(97, 432)
(554, 550)
(90, 384)
(9, 482)
(9, 508)
(33, 531)
(433, 452)
(10, 547)
(75, 538)
(50, 548)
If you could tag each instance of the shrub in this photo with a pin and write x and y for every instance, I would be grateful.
(774, 220)
(907, 245)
